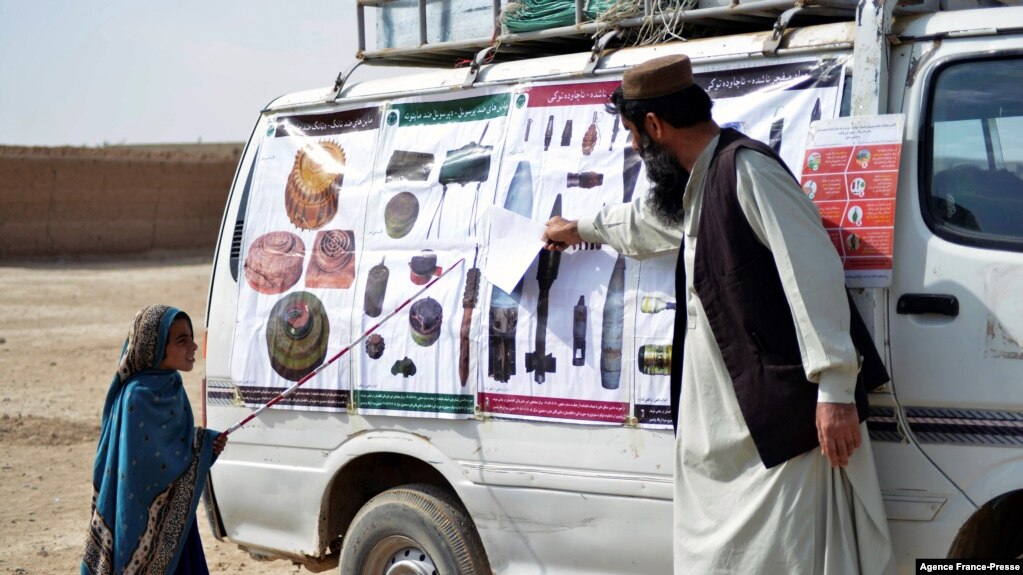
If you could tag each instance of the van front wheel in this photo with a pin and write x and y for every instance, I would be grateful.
(413, 530)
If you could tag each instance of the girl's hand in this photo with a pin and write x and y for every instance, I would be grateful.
(219, 443)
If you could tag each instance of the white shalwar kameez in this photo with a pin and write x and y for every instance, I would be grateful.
(732, 515)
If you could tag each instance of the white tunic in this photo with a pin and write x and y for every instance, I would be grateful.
(732, 515)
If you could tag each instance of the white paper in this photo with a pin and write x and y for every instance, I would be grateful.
(514, 243)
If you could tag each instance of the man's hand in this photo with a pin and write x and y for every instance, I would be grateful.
(560, 234)
(838, 430)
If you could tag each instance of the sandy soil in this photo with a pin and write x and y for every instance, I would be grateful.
(61, 331)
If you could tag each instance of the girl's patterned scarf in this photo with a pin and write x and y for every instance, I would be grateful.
(151, 463)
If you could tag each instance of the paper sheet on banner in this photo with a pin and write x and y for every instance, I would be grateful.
(514, 243)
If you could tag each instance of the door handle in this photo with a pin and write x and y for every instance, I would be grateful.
(919, 303)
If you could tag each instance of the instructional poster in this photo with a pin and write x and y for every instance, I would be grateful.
(436, 172)
(301, 245)
(556, 343)
(851, 171)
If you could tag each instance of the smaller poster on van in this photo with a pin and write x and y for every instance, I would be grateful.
(851, 172)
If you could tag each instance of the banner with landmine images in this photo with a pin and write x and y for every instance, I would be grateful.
(300, 250)
(397, 194)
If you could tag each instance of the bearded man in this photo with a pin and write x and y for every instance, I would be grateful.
(771, 364)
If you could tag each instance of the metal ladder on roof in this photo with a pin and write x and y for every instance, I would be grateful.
(585, 34)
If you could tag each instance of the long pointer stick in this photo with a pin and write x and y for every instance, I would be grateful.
(323, 366)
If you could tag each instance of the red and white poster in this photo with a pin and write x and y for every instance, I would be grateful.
(851, 171)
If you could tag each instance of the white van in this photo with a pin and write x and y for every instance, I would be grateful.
(527, 430)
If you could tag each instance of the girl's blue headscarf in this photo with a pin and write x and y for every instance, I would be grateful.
(151, 462)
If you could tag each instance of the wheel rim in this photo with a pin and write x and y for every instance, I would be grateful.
(398, 555)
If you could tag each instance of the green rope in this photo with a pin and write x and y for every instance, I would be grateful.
(530, 15)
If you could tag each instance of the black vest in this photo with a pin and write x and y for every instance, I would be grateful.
(738, 283)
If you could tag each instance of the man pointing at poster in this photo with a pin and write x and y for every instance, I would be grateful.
(773, 467)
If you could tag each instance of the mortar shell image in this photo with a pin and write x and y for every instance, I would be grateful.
(654, 359)
(404, 367)
(296, 335)
(310, 196)
(409, 166)
(504, 307)
(332, 264)
(375, 346)
(400, 214)
(548, 135)
(274, 262)
(611, 332)
(631, 163)
(579, 332)
(566, 134)
(425, 318)
(590, 137)
(376, 288)
(777, 129)
(614, 134)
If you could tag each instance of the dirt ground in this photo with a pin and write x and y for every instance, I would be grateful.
(61, 330)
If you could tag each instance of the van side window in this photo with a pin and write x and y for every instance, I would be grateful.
(973, 154)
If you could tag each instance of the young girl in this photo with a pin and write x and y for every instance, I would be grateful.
(151, 463)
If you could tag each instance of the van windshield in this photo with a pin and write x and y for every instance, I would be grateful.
(975, 191)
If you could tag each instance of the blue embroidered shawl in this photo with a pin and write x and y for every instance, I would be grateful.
(151, 462)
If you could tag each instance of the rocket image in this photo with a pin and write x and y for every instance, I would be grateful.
(539, 362)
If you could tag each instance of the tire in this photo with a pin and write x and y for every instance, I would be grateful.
(413, 530)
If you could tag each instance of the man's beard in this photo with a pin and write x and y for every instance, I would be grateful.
(667, 181)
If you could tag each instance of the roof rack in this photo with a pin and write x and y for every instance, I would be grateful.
(707, 19)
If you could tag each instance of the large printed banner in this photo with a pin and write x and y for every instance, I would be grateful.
(300, 250)
(352, 213)
(436, 174)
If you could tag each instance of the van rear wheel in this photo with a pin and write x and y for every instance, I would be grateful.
(413, 530)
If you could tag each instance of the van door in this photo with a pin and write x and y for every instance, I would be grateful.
(955, 308)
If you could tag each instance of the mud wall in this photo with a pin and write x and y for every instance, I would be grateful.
(57, 202)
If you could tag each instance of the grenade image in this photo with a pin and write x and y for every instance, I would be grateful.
(585, 180)
(590, 137)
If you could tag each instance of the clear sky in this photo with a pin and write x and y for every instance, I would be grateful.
(158, 71)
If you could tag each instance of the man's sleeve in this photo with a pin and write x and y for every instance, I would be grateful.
(788, 223)
(631, 229)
